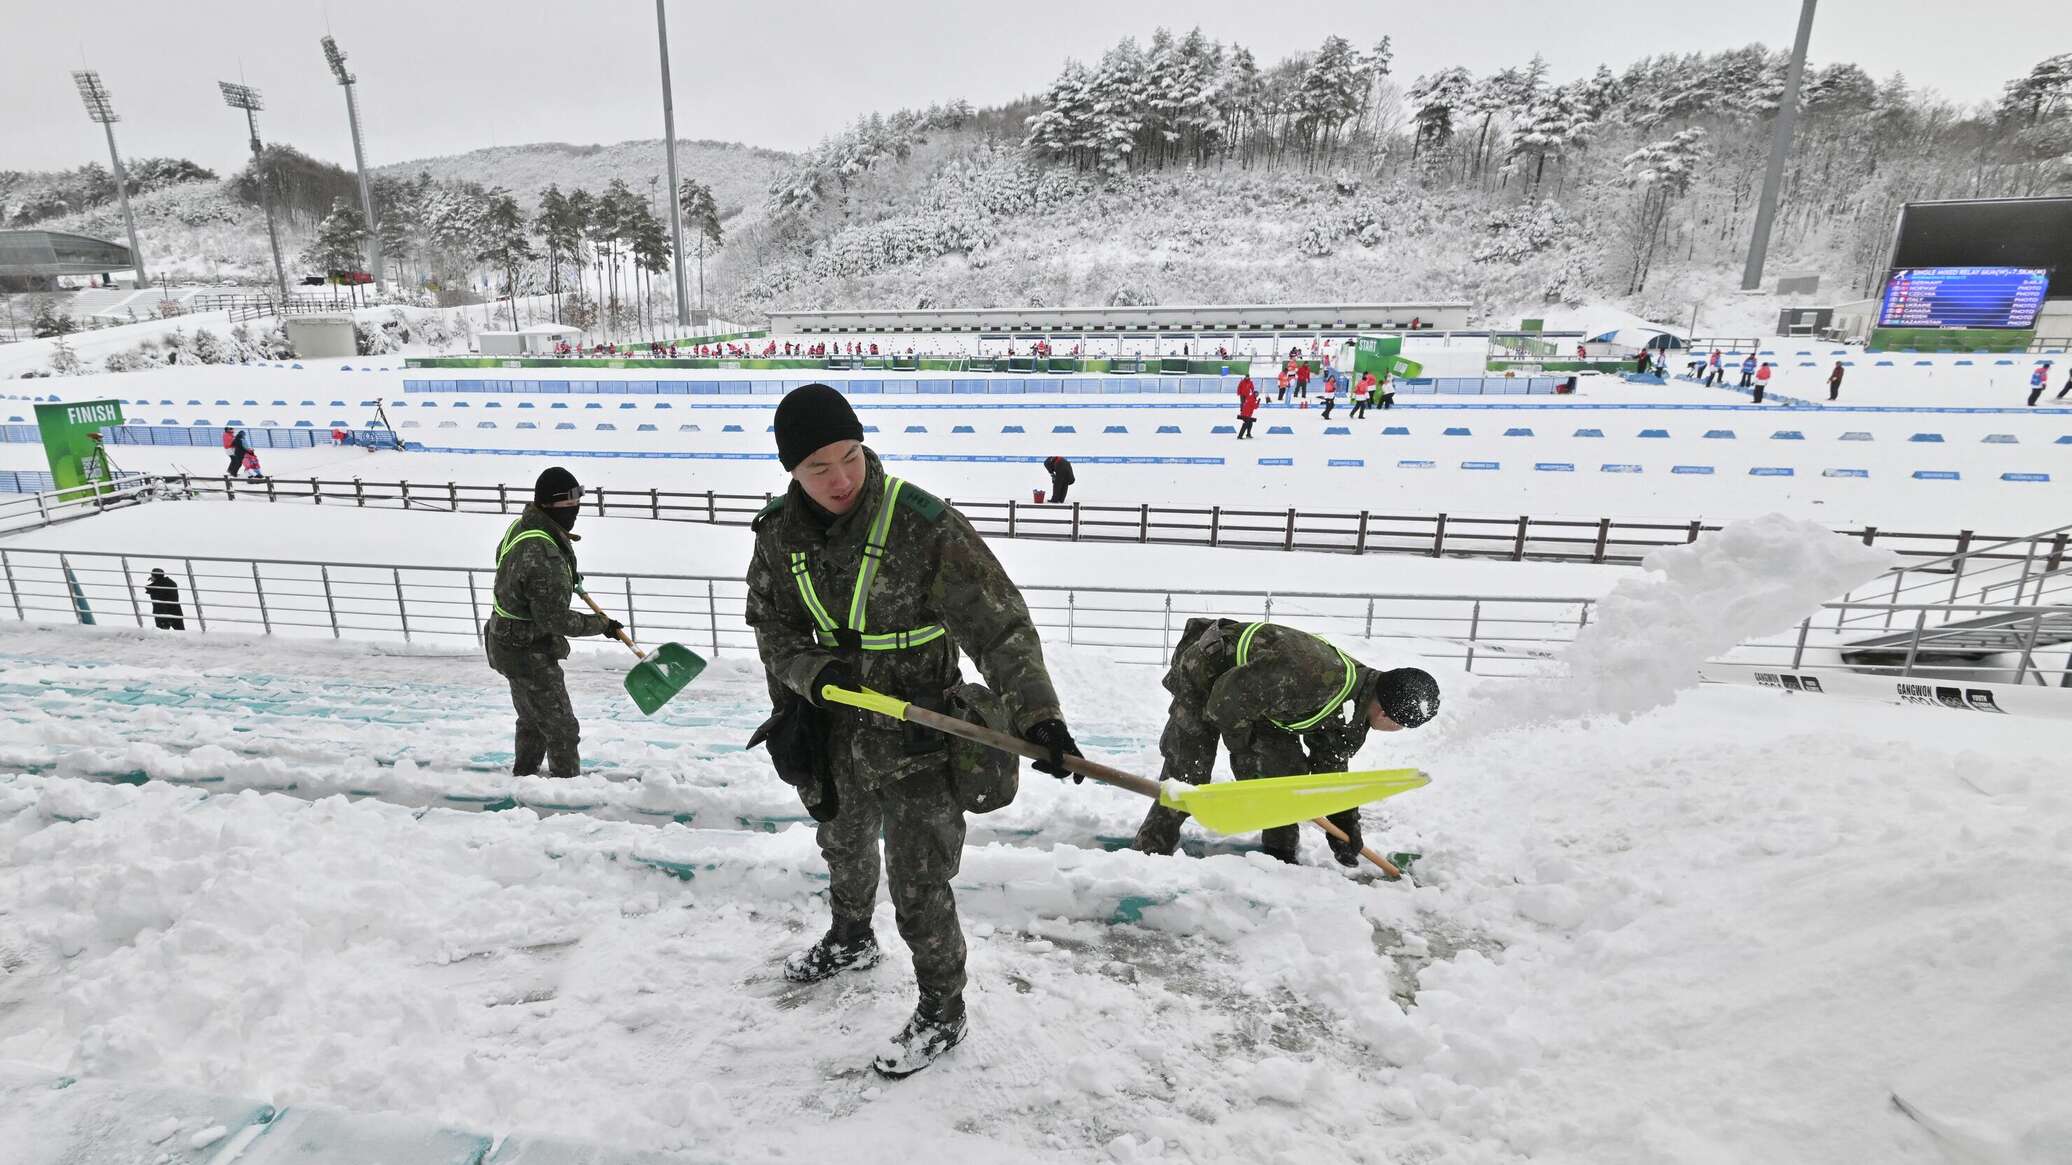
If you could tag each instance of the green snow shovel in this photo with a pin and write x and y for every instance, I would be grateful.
(1230, 807)
(660, 674)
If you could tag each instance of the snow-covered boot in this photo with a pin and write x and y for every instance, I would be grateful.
(846, 946)
(936, 1026)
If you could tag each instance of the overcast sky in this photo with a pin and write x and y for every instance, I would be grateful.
(445, 76)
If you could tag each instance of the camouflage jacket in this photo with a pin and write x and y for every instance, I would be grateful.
(1291, 681)
(937, 571)
(535, 579)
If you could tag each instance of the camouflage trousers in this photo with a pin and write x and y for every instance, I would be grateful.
(546, 727)
(923, 829)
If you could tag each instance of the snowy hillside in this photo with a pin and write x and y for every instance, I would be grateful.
(738, 175)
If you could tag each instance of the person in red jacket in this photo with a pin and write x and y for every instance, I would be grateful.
(1247, 407)
(1302, 379)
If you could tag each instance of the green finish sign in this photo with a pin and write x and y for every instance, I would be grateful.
(71, 441)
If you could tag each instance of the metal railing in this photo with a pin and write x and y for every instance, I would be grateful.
(1514, 537)
(1494, 635)
(1489, 634)
(2027, 571)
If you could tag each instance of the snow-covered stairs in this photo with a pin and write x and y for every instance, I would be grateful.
(66, 1119)
(432, 730)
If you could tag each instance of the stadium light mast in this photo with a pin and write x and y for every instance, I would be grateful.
(669, 148)
(1780, 150)
(247, 98)
(101, 107)
(336, 58)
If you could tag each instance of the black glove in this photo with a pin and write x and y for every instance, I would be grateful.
(1053, 735)
(836, 673)
(612, 627)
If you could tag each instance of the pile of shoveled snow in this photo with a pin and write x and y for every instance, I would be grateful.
(1650, 634)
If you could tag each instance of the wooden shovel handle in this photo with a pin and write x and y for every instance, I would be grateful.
(980, 734)
(621, 636)
(1387, 867)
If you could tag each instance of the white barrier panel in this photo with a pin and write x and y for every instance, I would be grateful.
(1913, 691)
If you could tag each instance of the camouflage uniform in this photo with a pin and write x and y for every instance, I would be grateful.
(526, 639)
(939, 581)
(1281, 714)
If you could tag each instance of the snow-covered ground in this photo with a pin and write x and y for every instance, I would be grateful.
(1724, 930)
(1676, 452)
(1652, 923)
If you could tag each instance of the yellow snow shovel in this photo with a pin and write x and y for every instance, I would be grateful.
(1230, 807)
(660, 674)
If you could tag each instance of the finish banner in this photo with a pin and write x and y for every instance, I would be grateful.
(72, 442)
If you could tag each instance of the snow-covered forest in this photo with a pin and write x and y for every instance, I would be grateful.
(1184, 170)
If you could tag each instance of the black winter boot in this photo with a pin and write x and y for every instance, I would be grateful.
(846, 946)
(936, 1026)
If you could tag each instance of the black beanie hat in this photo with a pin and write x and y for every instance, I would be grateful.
(810, 418)
(1408, 695)
(555, 484)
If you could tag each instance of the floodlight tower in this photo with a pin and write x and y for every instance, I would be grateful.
(669, 148)
(101, 107)
(247, 98)
(336, 58)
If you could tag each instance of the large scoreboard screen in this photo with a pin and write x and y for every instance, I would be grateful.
(1964, 297)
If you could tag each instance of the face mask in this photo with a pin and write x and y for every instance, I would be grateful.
(564, 516)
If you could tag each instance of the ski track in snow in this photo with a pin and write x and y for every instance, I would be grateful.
(1722, 930)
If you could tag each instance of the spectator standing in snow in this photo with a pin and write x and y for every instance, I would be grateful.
(1247, 407)
(1762, 381)
(165, 600)
(1285, 377)
(1640, 362)
(1834, 382)
(1302, 379)
(1747, 370)
(1330, 392)
(1061, 477)
(2039, 379)
(237, 445)
(1712, 369)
